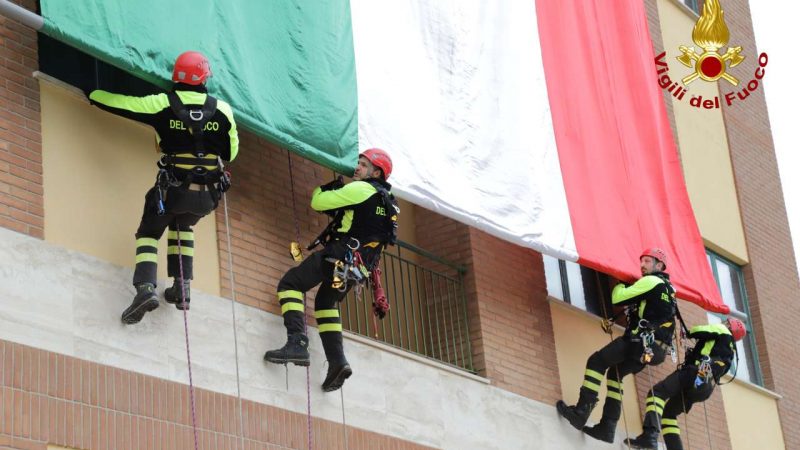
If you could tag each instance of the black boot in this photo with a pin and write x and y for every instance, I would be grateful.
(603, 430)
(295, 351)
(337, 373)
(578, 415)
(174, 294)
(647, 440)
(144, 301)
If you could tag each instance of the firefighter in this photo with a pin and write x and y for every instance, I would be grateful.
(365, 221)
(651, 309)
(196, 132)
(693, 382)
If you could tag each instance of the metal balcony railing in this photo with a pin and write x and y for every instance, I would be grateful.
(428, 313)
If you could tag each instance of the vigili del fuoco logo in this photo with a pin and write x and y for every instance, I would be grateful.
(711, 34)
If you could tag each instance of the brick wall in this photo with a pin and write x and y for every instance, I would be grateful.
(21, 203)
(262, 220)
(451, 240)
(511, 332)
(516, 326)
(48, 398)
(771, 278)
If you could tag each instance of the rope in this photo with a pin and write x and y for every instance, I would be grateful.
(305, 322)
(658, 422)
(186, 331)
(708, 431)
(233, 314)
(344, 421)
(678, 341)
(616, 367)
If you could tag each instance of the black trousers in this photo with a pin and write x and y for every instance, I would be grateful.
(620, 357)
(669, 398)
(315, 270)
(183, 209)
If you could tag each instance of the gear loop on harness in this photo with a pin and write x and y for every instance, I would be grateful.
(704, 372)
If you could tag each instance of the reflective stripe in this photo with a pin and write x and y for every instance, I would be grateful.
(707, 347)
(615, 384)
(184, 235)
(642, 286)
(189, 161)
(186, 251)
(291, 306)
(326, 313)
(716, 328)
(290, 294)
(209, 156)
(192, 166)
(594, 374)
(592, 386)
(657, 401)
(614, 395)
(668, 422)
(328, 327)
(146, 242)
(670, 430)
(347, 221)
(150, 104)
(146, 257)
(654, 409)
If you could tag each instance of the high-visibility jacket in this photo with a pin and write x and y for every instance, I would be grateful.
(365, 216)
(220, 137)
(652, 298)
(716, 342)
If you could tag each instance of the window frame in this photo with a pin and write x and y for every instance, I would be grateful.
(600, 305)
(757, 377)
(696, 6)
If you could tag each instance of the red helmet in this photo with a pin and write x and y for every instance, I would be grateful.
(656, 253)
(191, 68)
(737, 328)
(380, 159)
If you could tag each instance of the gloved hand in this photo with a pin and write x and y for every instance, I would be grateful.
(337, 183)
(606, 325)
(224, 181)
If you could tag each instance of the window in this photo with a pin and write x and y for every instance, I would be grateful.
(731, 286)
(577, 285)
(695, 5)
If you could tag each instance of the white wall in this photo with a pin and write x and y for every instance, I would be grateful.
(68, 302)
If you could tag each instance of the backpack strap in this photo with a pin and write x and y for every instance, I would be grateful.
(194, 118)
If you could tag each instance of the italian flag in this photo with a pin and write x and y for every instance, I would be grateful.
(539, 122)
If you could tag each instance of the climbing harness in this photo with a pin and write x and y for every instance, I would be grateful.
(350, 270)
(648, 339)
(164, 180)
(194, 118)
(703, 371)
